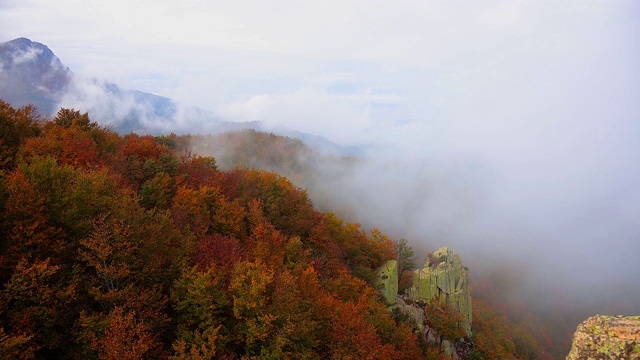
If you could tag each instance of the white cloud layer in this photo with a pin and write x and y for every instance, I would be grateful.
(26, 56)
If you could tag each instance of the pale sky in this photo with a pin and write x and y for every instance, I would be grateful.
(353, 64)
(533, 106)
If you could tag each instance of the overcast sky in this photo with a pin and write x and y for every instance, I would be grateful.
(528, 109)
(354, 64)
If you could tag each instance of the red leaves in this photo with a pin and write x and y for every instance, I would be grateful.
(362, 329)
(223, 251)
(196, 171)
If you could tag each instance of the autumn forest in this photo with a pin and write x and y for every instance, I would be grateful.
(135, 247)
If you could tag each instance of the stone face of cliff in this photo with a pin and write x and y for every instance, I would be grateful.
(388, 281)
(445, 278)
(607, 337)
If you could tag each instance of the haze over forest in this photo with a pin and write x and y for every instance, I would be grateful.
(508, 131)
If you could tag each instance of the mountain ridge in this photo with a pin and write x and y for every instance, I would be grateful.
(30, 73)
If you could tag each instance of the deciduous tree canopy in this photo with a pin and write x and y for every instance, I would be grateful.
(132, 247)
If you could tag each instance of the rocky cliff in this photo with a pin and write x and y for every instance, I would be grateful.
(388, 281)
(443, 277)
(607, 337)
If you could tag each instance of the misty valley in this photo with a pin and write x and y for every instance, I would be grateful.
(136, 227)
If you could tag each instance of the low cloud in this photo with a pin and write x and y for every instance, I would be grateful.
(26, 55)
(308, 110)
(135, 111)
(91, 95)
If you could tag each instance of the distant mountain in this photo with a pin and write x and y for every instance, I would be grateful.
(30, 73)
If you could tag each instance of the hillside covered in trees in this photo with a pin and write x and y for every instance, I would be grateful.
(134, 247)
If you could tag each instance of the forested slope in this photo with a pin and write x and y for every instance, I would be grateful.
(130, 247)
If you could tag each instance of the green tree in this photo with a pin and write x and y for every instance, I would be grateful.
(202, 305)
(251, 286)
(70, 117)
(406, 263)
(40, 302)
(406, 256)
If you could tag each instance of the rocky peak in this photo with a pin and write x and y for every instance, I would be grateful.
(31, 73)
(23, 43)
(607, 337)
(25, 53)
(443, 277)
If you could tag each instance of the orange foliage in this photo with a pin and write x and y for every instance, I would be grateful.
(496, 338)
(142, 147)
(445, 319)
(16, 126)
(126, 337)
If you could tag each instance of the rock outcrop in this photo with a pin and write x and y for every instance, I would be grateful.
(443, 278)
(607, 337)
(446, 279)
(388, 281)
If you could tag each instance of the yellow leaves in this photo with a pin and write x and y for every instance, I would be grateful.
(157, 192)
(110, 252)
(60, 200)
(15, 127)
(200, 298)
(493, 334)
(190, 212)
(38, 300)
(250, 287)
(202, 346)
(228, 219)
(206, 211)
(30, 281)
(15, 346)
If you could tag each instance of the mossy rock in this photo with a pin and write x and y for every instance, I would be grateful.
(444, 277)
(388, 281)
(607, 337)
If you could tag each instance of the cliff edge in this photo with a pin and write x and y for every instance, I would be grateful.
(444, 281)
(607, 337)
(444, 277)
